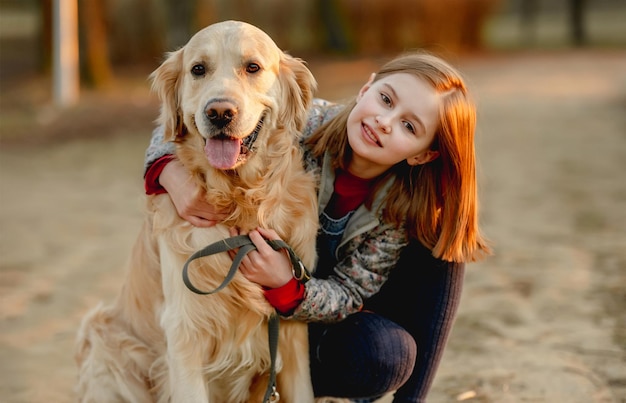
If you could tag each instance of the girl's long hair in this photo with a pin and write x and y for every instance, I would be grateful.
(437, 201)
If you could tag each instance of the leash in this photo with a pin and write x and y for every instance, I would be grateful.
(246, 245)
(271, 394)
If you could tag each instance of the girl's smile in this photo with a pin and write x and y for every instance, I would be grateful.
(369, 135)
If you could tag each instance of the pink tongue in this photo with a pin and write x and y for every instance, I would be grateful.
(222, 154)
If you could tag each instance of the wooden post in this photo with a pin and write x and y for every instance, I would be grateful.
(65, 48)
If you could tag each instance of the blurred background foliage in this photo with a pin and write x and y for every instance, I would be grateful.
(117, 34)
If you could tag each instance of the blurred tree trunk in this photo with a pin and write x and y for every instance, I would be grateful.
(151, 37)
(476, 15)
(205, 15)
(140, 31)
(331, 26)
(180, 22)
(528, 16)
(454, 25)
(45, 53)
(577, 10)
(95, 59)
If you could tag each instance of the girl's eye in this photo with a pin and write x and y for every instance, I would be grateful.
(409, 126)
(253, 68)
(198, 70)
(385, 99)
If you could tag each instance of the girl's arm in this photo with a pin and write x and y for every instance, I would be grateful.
(165, 174)
(369, 260)
(188, 198)
(157, 148)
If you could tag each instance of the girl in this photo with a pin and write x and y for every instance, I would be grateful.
(399, 219)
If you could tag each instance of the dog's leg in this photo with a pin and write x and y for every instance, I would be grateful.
(185, 355)
(186, 380)
(184, 363)
(294, 380)
(118, 343)
(112, 364)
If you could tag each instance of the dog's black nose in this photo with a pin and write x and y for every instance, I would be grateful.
(221, 113)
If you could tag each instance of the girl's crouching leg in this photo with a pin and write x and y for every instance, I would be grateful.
(364, 356)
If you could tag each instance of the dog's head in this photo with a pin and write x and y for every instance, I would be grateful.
(230, 84)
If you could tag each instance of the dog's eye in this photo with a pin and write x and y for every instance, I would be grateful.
(198, 70)
(253, 68)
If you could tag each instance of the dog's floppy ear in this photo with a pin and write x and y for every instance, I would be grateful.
(297, 85)
(165, 82)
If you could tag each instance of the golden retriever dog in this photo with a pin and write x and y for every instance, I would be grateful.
(234, 105)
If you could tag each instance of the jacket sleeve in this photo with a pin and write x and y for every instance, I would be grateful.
(321, 111)
(369, 258)
(157, 148)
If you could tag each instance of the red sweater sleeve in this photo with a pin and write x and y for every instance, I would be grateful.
(286, 298)
(151, 179)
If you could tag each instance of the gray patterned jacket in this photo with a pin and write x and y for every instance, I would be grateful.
(366, 254)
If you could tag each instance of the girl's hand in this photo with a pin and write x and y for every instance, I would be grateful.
(265, 266)
(188, 199)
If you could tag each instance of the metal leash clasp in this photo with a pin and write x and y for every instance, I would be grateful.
(275, 396)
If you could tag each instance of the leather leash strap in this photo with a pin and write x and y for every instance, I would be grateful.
(246, 245)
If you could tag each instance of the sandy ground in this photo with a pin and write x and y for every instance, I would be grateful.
(543, 320)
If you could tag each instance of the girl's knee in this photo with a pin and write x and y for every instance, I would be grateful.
(365, 355)
(394, 353)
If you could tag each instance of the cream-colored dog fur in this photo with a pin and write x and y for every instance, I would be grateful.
(158, 341)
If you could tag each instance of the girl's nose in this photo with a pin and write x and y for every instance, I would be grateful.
(383, 124)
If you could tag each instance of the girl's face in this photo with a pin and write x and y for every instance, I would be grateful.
(394, 119)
